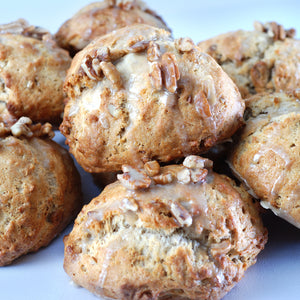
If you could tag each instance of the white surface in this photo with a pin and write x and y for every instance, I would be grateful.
(276, 275)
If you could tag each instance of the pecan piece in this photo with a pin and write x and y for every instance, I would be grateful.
(21, 127)
(184, 176)
(153, 53)
(87, 67)
(137, 44)
(152, 168)
(170, 71)
(184, 44)
(181, 214)
(194, 161)
(133, 179)
(155, 76)
(112, 74)
(163, 178)
(260, 75)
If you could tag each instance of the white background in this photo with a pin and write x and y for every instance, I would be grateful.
(276, 275)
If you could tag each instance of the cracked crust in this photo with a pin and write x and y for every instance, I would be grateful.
(39, 194)
(266, 153)
(32, 72)
(177, 102)
(100, 18)
(264, 60)
(186, 238)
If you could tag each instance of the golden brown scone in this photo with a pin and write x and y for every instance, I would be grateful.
(100, 18)
(266, 154)
(39, 189)
(32, 72)
(174, 232)
(263, 60)
(137, 95)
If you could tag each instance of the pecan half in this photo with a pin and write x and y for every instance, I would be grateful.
(156, 76)
(170, 71)
(112, 74)
(152, 168)
(181, 214)
(163, 178)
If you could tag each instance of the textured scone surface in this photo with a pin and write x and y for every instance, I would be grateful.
(266, 153)
(264, 60)
(99, 18)
(39, 194)
(183, 233)
(136, 94)
(32, 73)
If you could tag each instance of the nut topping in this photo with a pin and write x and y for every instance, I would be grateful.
(21, 127)
(112, 74)
(134, 179)
(181, 214)
(163, 178)
(156, 76)
(152, 168)
(184, 44)
(170, 71)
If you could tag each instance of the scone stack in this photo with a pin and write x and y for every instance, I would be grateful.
(140, 107)
(40, 189)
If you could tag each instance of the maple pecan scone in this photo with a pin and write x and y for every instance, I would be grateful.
(266, 59)
(100, 18)
(39, 188)
(266, 153)
(173, 232)
(136, 95)
(32, 72)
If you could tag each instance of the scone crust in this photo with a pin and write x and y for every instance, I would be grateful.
(263, 60)
(266, 153)
(156, 98)
(177, 238)
(100, 18)
(32, 73)
(39, 194)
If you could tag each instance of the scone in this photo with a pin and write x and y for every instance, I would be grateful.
(174, 232)
(266, 153)
(136, 95)
(100, 18)
(32, 72)
(39, 189)
(263, 60)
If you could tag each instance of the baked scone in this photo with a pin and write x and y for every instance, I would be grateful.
(100, 18)
(266, 153)
(174, 232)
(136, 95)
(32, 72)
(263, 60)
(39, 189)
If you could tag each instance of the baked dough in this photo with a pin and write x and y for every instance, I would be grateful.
(264, 60)
(32, 72)
(174, 232)
(136, 95)
(39, 189)
(100, 18)
(266, 153)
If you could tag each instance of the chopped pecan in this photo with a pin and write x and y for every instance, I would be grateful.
(184, 44)
(194, 161)
(198, 175)
(112, 74)
(152, 168)
(21, 127)
(220, 248)
(137, 44)
(156, 76)
(103, 54)
(163, 178)
(87, 67)
(184, 176)
(133, 179)
(181, 214)
(260, 75)
(153, 52)
(275, 30)
(170, 71)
